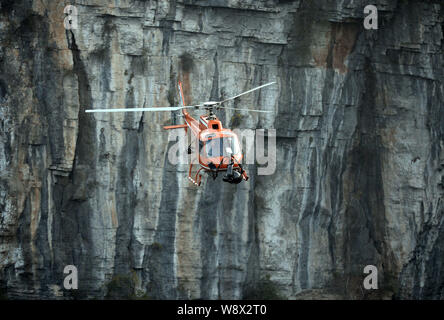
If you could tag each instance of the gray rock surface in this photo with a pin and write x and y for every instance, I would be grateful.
(360, 138)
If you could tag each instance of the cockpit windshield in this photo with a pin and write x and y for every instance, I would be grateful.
(225, 146)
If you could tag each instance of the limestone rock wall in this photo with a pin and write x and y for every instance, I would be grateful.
(359, 121)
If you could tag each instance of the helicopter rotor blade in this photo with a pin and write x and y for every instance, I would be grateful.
(136, 109)
(253, 110)
(251, 90)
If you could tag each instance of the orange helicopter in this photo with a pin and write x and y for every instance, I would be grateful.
(219, 148)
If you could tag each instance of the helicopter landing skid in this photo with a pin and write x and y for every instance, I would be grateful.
(197, 179)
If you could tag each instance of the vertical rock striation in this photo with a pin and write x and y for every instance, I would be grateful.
(360, 138)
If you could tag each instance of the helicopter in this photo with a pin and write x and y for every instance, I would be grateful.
(219, 147)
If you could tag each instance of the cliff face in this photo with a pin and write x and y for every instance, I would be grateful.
(360, 138)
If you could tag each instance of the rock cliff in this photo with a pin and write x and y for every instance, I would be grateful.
(360, 148)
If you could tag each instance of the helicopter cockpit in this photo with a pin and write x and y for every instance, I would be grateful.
(220, 146)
